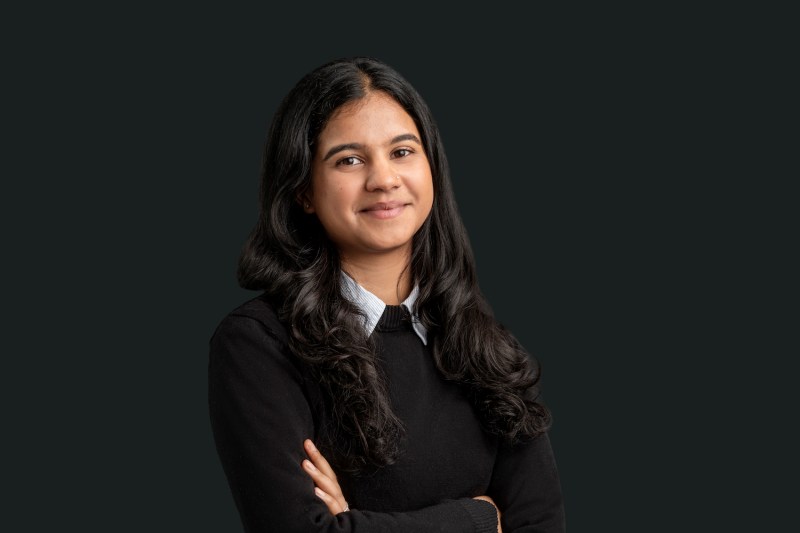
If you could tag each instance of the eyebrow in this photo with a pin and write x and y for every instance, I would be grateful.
(356, 146)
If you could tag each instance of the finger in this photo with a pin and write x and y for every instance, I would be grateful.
(330, 502)
(322, 481)
(319, 461)
(330, 483)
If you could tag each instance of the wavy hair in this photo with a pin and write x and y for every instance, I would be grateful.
(289, 257)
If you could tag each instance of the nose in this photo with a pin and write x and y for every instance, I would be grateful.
(383, 176)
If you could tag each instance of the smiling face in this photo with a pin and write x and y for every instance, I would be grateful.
(371, 183)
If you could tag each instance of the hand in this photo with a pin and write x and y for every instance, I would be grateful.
(488, 499)
(327, 487)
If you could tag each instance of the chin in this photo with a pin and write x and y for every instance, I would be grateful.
(389, 246)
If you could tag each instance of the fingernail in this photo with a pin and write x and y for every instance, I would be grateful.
(310, 445)
(309, 465)
(318, 491)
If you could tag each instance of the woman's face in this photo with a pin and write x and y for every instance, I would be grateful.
(371, 183)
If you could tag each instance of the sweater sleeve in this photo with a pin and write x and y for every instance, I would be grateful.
(260, 417)
(526, 488)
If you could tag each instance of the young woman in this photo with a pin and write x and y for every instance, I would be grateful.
(368, 387)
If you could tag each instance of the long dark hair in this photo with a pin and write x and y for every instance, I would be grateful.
(289, 257)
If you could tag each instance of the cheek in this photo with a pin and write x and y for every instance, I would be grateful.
(335, 199)
(426, 187)
(327, 190)
(426, 197)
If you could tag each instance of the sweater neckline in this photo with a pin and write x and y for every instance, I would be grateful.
(393, 317)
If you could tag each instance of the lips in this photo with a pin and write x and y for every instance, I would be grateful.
(384, 210)
(384, 206)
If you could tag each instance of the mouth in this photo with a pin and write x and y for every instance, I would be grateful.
(384, 210)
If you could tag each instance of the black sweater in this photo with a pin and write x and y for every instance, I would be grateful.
(264, 403)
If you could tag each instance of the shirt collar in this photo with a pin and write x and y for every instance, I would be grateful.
(373, 307)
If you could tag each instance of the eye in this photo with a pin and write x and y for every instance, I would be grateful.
(348, 161)
(402, 152)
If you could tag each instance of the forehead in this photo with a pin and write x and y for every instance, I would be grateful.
(368, 119)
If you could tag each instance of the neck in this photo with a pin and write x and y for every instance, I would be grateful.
(385, 276)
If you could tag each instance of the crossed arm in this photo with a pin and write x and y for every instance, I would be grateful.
(327, 486)
(258, 410)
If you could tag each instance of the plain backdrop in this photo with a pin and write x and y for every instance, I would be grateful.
(576, 144)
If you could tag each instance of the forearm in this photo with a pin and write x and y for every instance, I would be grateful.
(280, 497)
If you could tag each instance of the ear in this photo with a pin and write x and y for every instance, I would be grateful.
(305, 202)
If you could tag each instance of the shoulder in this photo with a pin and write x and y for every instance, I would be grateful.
(251, 339)
(256, 314)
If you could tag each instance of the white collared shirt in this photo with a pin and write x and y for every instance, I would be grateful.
(373, 307)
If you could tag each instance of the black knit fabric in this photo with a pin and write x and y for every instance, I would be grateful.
(264, 403)
(393, 317)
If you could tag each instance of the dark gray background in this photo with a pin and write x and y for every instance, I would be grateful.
(584, 157)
